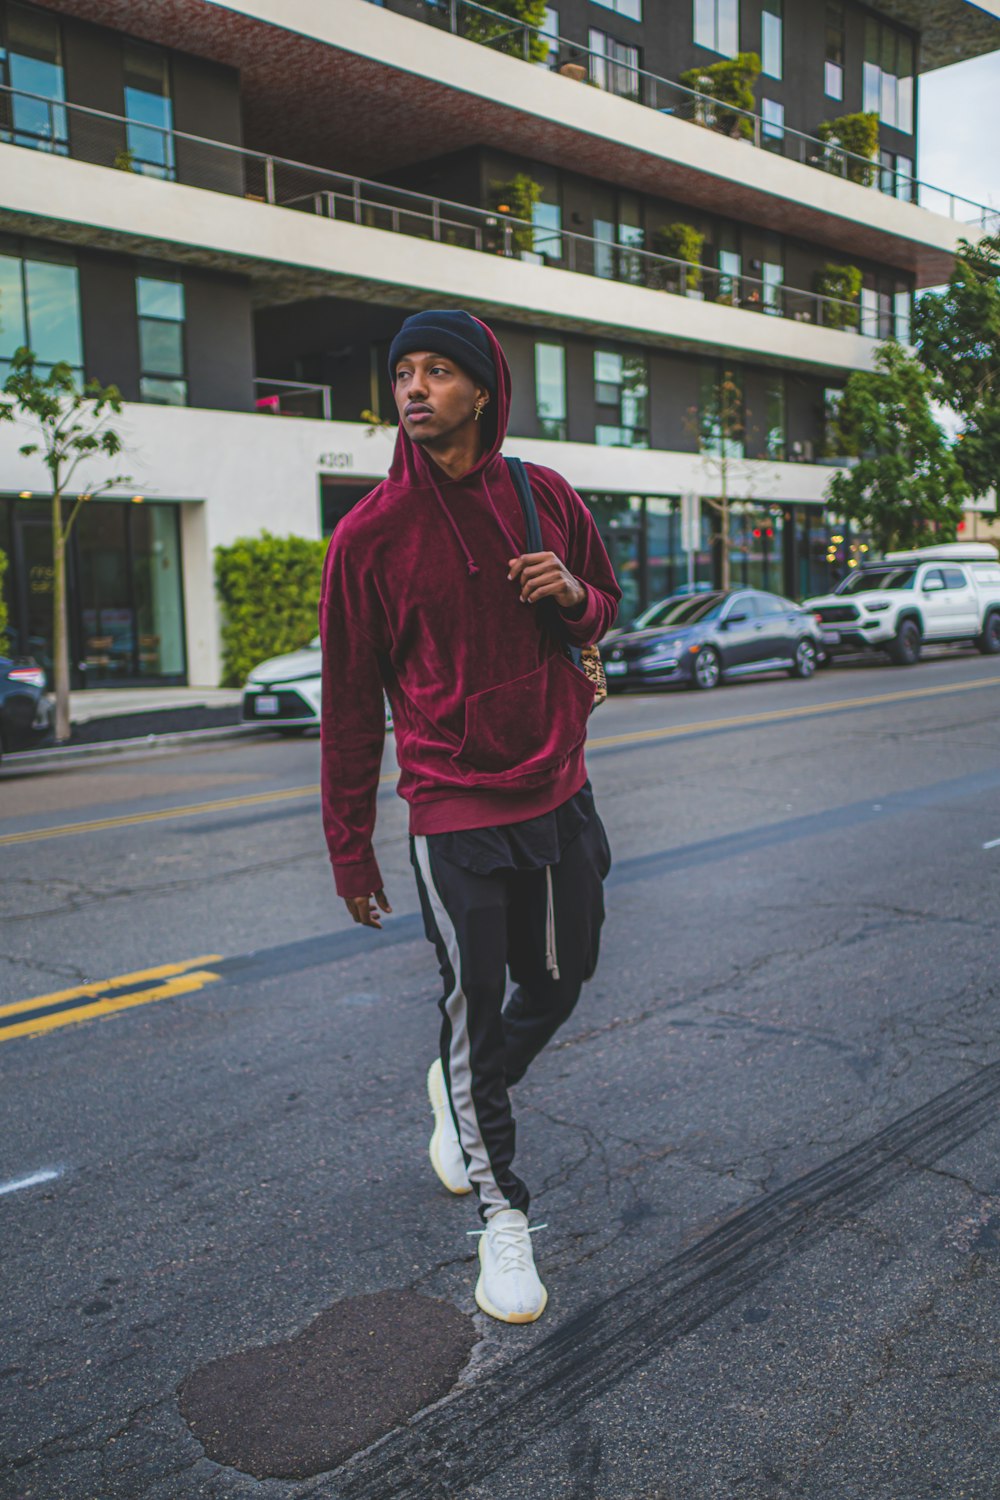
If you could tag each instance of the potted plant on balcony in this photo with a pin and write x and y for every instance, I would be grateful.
(726, 94)
(844, 284)
(858, 136)
(517, 197)
(684, 243)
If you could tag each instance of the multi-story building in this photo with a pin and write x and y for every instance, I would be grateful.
(227, 208)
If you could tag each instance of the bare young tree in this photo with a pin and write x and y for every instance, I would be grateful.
(720, 428)
(74, 435)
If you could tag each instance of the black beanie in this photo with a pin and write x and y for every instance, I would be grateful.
(453, 333)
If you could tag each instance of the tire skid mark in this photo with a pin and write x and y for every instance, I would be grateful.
(468, 1436)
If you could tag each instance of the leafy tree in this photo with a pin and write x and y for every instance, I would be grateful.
(269, 587)
(906, 486)
(74, 433)
(719, 426)
(957, 334)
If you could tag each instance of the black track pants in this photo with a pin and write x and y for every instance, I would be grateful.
(482, 927)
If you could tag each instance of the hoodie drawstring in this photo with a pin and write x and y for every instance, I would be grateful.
(470, 561)
(551, 957)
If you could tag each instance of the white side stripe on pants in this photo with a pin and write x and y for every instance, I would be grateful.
(459, 1066)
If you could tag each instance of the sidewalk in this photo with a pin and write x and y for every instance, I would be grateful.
(104, 714)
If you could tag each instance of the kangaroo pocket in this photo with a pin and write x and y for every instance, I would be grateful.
(521, 729)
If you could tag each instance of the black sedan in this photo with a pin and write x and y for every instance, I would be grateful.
(25, 707)
(704, 639)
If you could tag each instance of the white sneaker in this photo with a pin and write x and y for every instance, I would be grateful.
(445, 1151)
(508, 1286)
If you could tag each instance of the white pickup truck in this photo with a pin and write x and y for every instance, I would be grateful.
(946, 593)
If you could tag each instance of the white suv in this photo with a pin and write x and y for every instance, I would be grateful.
(946, 593)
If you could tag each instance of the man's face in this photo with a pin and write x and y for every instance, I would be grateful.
(436, 399)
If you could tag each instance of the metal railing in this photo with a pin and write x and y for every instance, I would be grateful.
(98, 137)
(466, 18)
(293, 398)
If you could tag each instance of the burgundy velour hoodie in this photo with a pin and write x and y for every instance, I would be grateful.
(490, 716)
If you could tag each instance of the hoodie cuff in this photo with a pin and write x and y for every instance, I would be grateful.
(583, 623)
(361, 877)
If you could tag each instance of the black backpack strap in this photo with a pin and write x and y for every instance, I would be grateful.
(522, 485)
(548, 610)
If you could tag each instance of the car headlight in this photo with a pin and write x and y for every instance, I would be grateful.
(666, 651)
(876, 609)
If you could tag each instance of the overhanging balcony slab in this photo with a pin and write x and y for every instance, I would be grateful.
(367, 90)
(291, 255)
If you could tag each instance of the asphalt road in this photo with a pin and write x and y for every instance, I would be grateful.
(765, 1147)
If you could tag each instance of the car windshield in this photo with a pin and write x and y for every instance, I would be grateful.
(878, 578)
(314, 644)
(656, 614)
(692, 611)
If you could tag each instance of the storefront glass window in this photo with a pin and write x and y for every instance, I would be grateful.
(158, 596)
(34, 64)
(149, 111)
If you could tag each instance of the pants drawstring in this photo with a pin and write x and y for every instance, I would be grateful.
(551, 957)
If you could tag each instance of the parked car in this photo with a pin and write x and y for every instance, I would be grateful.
(26, 709)
(707, 638)
(653, 614)
(946, 593)
(286, 691)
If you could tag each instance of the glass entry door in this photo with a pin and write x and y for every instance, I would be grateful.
(33, 561)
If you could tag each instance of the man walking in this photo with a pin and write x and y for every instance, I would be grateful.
(430, 592)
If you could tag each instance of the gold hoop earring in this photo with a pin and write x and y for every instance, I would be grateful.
(481, 406)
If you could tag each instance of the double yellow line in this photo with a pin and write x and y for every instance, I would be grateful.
(104, 997)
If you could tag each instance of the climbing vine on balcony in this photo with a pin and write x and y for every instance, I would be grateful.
(728, 98)
(858, 135)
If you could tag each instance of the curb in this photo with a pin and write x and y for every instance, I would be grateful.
(67, 755)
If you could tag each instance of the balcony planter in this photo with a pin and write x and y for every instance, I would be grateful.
(727, 90)
(858, 135)
(517, 197)
(680, 242)
(576, 71)
(844, 284)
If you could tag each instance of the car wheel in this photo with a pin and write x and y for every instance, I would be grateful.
(989, 641)
(904, 651)
(707, 669)
(805, 659)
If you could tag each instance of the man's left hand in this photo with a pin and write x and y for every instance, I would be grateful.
(542, 575)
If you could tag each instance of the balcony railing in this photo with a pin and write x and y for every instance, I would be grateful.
(97, 137)
(490, 28)
(293, 398)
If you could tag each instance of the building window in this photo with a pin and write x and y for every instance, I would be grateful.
(546, 237)
(776, 436)
(614, 66)
(31, 59)
(149, 111)
(832, 442)
(887, 79)
(621, 391)
(896, 175)
(869, 312)
(772, 129)
(40, 310)
(771, 39)
(720, 411)
(618, 242)
(550, 390)
(902, 313)
(833, 71)
(717, 25)
(730, 263)
(549, 33)
(631, 9)
(161, 341)
(772, 274)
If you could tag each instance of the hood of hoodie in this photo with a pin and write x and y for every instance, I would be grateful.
(412, 468)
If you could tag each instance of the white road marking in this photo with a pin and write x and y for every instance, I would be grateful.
(993, 844)
(17, 1183)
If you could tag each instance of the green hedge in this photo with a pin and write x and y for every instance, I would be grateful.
(269, 589)
(3, 601)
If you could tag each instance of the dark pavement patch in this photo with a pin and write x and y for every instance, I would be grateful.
(290, 1410)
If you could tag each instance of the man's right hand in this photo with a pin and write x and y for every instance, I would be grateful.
(362, 910)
